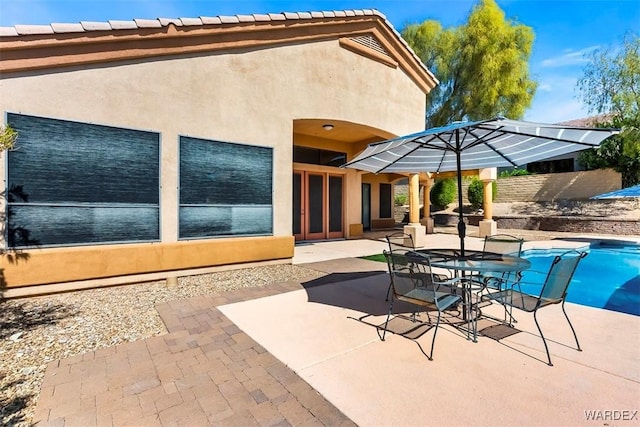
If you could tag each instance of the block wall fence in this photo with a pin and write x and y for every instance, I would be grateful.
(556, 186)
(550, 187)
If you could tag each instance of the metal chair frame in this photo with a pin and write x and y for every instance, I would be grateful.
(502, 244)
(554, 291)
(412, 281)
(397, 248)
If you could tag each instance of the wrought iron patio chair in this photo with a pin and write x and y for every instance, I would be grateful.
(501, 244)
(413, 281)
(553, 291)
(402, 243)
(399, 243)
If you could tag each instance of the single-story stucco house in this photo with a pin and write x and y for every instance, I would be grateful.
(154, 148)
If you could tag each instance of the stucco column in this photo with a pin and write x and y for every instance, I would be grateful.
(426, 219)
(414, 199)
(488, 199)
(488, 226)
(414, 228)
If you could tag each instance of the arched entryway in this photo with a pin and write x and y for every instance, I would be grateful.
(326, 199)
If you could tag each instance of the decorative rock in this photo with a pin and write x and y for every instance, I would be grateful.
(15, 337)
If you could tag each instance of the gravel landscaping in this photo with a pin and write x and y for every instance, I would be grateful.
(35, 331)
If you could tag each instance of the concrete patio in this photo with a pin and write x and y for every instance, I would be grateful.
(296, 354)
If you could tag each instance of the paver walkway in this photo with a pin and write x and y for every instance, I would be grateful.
(205, 371)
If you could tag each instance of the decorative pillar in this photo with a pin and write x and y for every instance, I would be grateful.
(488, 226)
(426, 219)
(487, 205)
(414, 228)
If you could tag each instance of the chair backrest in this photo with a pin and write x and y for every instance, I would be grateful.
(400, 241)
(503, 244)
(560, 274)
(409, 271)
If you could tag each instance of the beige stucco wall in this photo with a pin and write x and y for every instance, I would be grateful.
(249, 97)
(252, 98)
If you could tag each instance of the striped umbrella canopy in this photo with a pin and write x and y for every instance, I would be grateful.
(459, 146)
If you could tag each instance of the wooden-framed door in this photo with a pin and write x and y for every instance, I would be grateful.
(318, 205)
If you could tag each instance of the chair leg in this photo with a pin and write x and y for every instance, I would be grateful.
(507, 311)
(388, 292)
(433, 340)
(571, 326)
(535, 318)
(384, 331)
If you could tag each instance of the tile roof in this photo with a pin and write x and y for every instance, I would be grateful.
(86, 26)
(8, 33)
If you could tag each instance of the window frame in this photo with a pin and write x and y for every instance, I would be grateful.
(76, 204)
(181, 205)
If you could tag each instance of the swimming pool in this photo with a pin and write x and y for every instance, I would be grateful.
(609, 277)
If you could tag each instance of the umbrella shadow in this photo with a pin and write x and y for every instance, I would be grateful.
(364, 292)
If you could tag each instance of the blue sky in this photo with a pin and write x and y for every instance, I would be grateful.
(565, 29)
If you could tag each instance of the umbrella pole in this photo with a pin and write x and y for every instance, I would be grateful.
(462, 228)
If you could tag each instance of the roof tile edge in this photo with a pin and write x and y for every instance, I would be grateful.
(114, 25)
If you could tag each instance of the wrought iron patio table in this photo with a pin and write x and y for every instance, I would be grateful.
(474, 262)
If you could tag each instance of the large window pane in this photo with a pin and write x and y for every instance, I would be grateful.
(316, 204)
(297, 203)
(63, 225)
(60, 161)
(225, 189)
(335, 203)
(385, 200)
(76, 183)
(318, 156)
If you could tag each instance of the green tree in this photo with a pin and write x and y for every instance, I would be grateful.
(482, 66)
(610, 87)
(8, 137)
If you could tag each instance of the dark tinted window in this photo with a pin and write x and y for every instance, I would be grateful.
(78, 183)
(225, 189)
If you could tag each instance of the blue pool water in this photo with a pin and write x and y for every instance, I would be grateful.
(609, 276)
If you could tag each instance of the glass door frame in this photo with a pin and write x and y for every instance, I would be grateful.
(305, 206)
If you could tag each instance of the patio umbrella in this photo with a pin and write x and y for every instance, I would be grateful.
(459, 146)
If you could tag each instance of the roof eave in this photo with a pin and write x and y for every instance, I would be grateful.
(25, 48)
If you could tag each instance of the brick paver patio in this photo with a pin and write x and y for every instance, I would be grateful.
(205, 371)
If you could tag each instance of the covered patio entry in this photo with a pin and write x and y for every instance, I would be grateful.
(326, 199)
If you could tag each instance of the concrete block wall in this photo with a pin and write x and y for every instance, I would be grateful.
(549, 187)
(557, 186)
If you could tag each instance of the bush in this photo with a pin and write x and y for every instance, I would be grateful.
(443, 192)
(514, 172)
(400, 199)
(475, 193)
